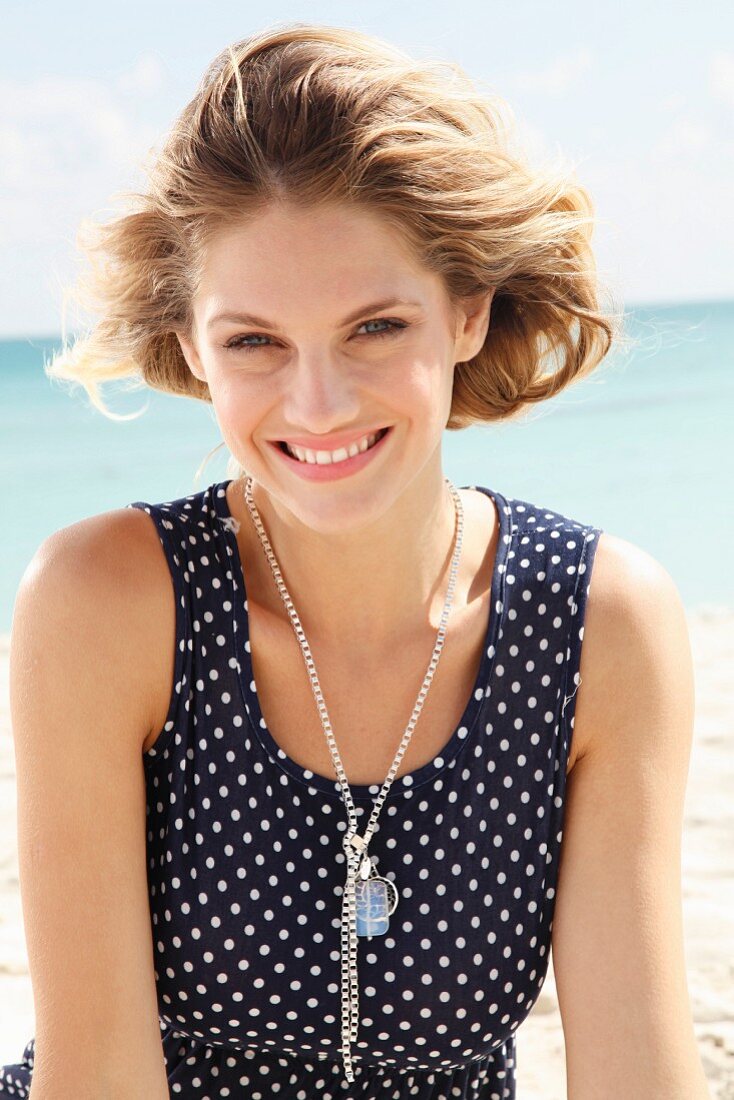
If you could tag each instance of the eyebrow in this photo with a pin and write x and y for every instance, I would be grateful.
(251, 319)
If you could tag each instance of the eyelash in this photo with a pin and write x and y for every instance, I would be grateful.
(395, 326)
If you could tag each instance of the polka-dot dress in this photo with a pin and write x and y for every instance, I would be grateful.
(246, 867)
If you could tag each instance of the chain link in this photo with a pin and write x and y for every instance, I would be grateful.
(355, 847)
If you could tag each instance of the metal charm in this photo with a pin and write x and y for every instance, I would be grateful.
(376, 900)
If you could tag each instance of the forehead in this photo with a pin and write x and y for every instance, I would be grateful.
(288, 252)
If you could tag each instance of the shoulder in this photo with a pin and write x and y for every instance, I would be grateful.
(104, 582)
(636, 641)
(114, 556)
(633, 597)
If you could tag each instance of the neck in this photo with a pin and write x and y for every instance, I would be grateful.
(364, 586)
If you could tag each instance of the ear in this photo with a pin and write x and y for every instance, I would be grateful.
(472, 325)
(191, 355)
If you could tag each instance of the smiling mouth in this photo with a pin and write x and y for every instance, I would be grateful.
(331, 462)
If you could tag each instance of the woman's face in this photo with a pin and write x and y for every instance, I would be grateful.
(317, 327)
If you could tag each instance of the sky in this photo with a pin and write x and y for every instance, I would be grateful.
(637, 98)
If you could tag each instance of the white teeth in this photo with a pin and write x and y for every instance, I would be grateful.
(325, 458)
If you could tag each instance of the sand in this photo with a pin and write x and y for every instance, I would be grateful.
(707, 868)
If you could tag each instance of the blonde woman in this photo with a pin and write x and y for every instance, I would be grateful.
(313, 768)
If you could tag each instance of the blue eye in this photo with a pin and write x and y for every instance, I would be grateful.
(237, 343)
(394, 326)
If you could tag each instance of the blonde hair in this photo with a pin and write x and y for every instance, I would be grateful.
(313, 114)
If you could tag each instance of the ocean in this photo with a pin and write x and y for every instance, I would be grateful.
(641, 448)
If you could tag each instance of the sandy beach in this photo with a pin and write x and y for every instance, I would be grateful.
(707, 869)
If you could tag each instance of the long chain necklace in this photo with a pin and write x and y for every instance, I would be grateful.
(368, 900)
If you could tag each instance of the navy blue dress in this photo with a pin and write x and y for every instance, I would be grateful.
(245, 860)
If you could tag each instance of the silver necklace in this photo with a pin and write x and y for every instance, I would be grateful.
(368, 900)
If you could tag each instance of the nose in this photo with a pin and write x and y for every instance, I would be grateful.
(320, 397)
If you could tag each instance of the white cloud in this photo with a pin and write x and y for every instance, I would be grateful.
(67, 145)
(146, 77)
(556, 78)
(721, 76)
(68, 126)
(672, 102)
(661, 234)
(689, 133)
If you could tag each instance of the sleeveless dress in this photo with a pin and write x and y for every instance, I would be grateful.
(246, 866)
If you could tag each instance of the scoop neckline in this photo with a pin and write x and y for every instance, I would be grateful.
(405, 784)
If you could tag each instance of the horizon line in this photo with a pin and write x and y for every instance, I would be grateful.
(652, 303)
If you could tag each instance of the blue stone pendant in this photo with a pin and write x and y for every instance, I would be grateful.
(376, 900)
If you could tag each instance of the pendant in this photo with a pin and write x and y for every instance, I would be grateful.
(376, 900)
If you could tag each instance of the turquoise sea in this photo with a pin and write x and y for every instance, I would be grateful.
(642, 448)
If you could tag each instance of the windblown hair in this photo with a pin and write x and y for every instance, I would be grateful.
(317, 114)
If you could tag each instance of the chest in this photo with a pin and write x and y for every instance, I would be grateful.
(369, 700)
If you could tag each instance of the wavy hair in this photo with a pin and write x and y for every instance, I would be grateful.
(313, 114)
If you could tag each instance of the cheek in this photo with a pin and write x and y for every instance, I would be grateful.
(238, 409)
(425, 385)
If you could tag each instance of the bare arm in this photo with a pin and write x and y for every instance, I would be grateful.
(617, 938)
(80, 707)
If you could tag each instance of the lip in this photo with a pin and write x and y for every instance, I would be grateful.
(331, 442)
(331, 471)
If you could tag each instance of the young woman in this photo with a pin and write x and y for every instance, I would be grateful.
(296, 753)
